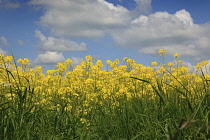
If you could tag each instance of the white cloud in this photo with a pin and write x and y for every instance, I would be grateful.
(58, 45)
(82, 18)
(49, 58)
(185, 17)
(174, 32)
(3, 41)
(3, 52)
(76, 60)
(20, 42)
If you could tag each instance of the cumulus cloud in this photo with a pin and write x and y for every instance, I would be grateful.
(82, 18)
(3, 52)
(49, 58)
(3, 41)
(138, 29)
(58, 45)
(174, 32)
(76, 60)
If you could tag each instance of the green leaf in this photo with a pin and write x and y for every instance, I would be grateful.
(141, 80)
(159, 94)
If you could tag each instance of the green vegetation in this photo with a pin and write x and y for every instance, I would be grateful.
(129, 102)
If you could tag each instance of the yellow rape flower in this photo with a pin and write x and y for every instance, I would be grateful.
(130, 61)
(38, 69)
(88, 58)
(154, 63)
(117, 61)
(108, 61)
(125, 58)
(176, 55)
(68, 62)
(162, 52)
(61, 67)
(180, 61)
(8, 59)
(99, 64)
(26, 61)
(205, 62)
(170, 64)
(1, 56)
(162, 69)
(83, 120)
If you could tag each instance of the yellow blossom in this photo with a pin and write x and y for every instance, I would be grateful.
(154, 63)
(176, 55)
(68, 62)
(99, 64)
(88, 58)
(8, 59)
(162, 52)
(170, 64)
(205, 62)
(180, 61)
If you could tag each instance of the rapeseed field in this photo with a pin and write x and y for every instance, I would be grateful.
(125, 101)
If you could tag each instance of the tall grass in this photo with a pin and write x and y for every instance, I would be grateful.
(129, 102)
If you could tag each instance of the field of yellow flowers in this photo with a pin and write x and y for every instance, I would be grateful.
(127, 101)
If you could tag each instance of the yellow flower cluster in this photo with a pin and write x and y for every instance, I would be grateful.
(162, 52)
(70, 83)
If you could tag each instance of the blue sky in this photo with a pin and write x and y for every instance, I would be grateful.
(50, 31)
